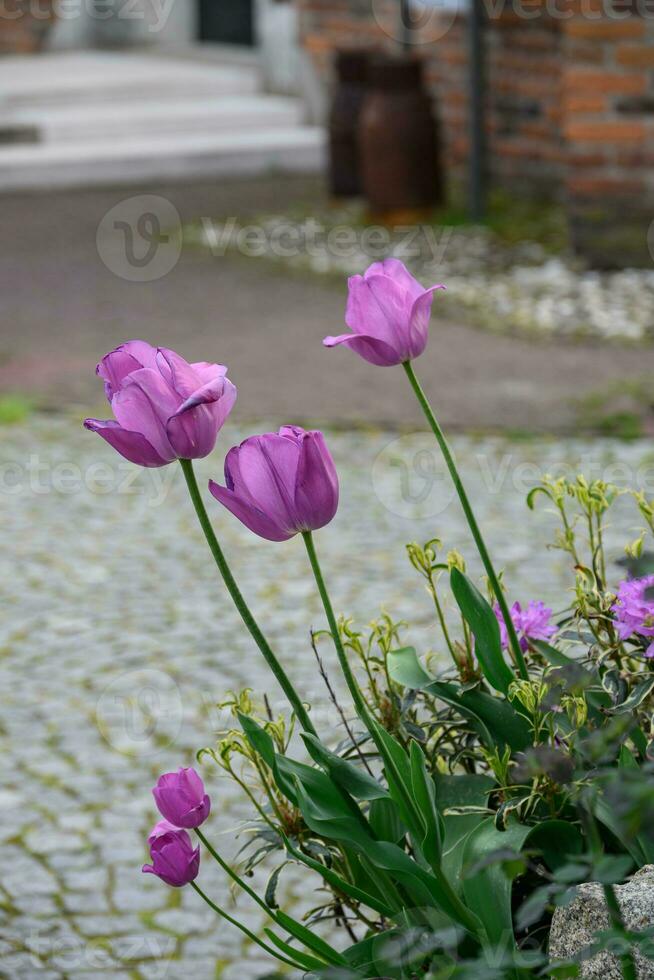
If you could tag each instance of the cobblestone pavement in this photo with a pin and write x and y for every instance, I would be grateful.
(116, 641)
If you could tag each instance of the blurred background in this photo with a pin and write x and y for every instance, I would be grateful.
(205, 175)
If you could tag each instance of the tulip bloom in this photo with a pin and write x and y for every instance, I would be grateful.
(280, 484)
(174, 859)
(181, 799)
(388, 313)
(165, 408)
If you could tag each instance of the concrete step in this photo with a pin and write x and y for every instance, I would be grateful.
(124, 120)
(88, 78)
(162, 157)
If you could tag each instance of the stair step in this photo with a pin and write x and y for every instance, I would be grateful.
(104, 77)
(143, 117)
(163, 157)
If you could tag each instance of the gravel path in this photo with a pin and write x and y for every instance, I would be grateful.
(116, 641)
(63, 308)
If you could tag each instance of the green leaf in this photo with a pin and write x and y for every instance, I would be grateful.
(465, 789)
(356, 781)
(495, 720)
(551, 654)
(405, 668)
(483, 622)
(270, 897)
(488, 892)
(259, 739)
(637, 696)
(378, 904)
(424, 793)
(303, 959)
(310, 940)
(385, 821)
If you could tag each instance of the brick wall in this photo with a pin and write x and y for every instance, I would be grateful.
(570, 104)
(523, 69)
(608, 81)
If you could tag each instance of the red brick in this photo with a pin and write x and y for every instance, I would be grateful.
(604, 30)
(609, 82)
(635, 55)
(608, 132)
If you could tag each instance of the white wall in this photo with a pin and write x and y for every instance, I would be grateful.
(88, 23)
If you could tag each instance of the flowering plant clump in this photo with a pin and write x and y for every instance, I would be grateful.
(454, 810)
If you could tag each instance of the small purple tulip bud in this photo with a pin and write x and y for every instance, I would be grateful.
(181, 799)
(388, 313)
(279, 484)
(174, 859)
(164, 407)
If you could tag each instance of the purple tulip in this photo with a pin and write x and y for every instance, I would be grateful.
(181, 799)
(388, 313)
(279, 484)
(165, 408)
(173, 858)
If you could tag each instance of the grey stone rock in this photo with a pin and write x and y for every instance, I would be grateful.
(574, 927)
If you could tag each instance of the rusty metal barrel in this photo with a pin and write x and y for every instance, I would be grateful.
(398, 141)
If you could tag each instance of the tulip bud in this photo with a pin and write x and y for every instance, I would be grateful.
(280, 484)
(173, 858)
(388, 313)
(181, 799)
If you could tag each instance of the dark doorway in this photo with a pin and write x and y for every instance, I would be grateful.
(227, 21)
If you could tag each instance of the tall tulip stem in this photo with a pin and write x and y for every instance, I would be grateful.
(240, 603)
(359, 701)
(514, 643)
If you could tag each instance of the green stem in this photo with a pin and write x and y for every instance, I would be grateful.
(240, 603)
(514, 643)
(359, 701)
(251, 936)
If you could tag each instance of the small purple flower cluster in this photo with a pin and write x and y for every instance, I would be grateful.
(184, 805)
(634, 610)
(532, 623)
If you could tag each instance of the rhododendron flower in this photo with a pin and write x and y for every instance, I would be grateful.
(164, 407)
(181, 799)
(174, 859)
(280, 484)
(532, 623)
(634, 609)
(388, 313)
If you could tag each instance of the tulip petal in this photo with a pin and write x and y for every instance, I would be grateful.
(316, 489)
(193, 429)
(378, 306)
(249, 515)
(144, 404)
(119, 363)
(371, 349)
(397, 271)
(132, 445)
(177, 372)
(262, 472)
(419, 321)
